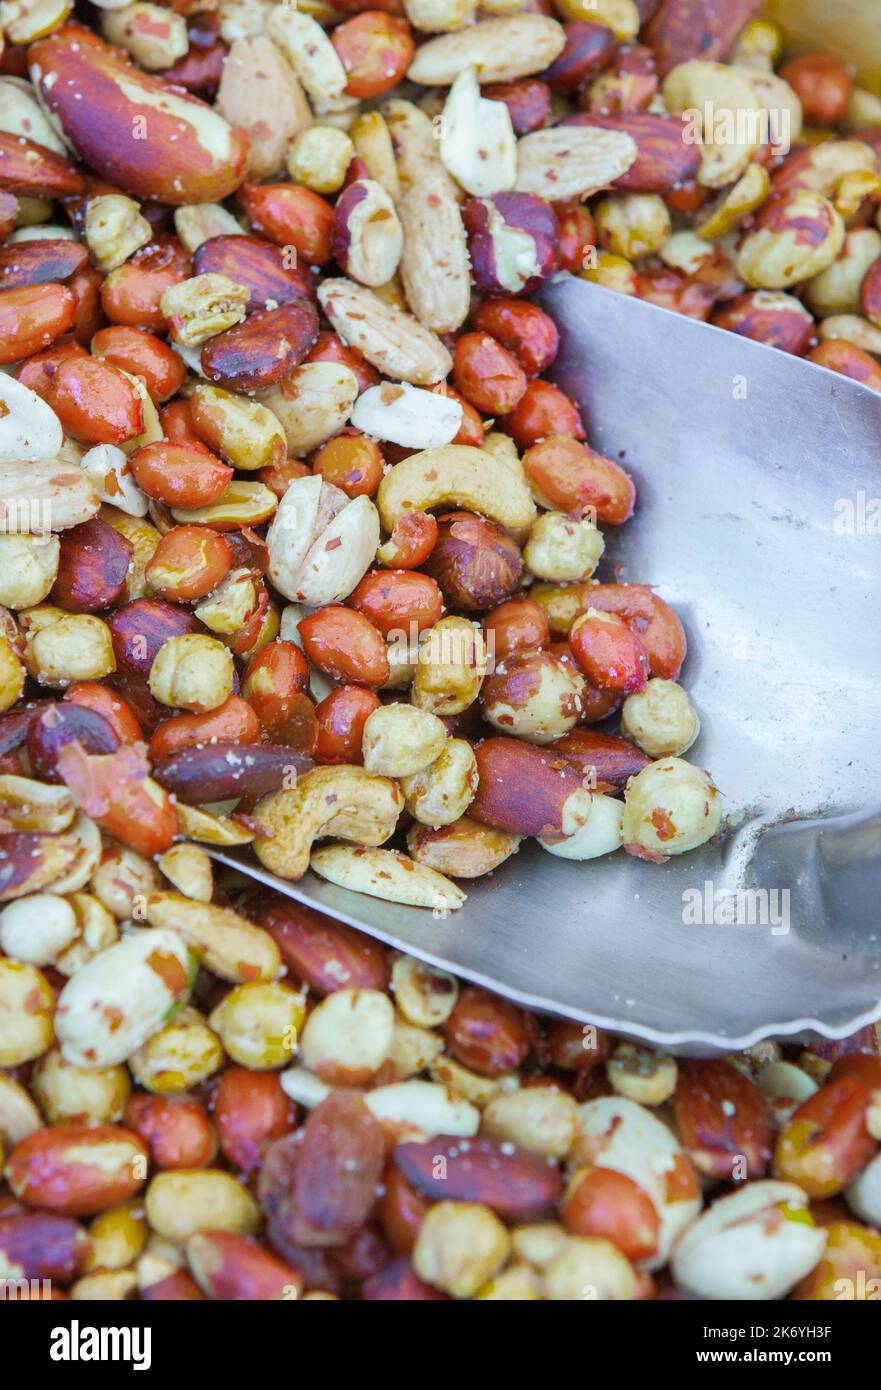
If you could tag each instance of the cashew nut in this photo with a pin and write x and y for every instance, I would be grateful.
(343, 801)
(697, 88)
(457, 475)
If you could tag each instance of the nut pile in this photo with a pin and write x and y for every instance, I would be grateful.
(299, 550)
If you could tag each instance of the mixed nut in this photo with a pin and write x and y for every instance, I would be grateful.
(299, 551)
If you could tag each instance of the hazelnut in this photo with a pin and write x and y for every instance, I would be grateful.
(476, 564)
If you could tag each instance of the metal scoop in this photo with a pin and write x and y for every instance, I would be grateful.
(755, 472)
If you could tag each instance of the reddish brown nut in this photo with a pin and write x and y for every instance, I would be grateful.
(574, 479)
(528, 101)
(100, 699)
(527, 790)
(116, 791)
(33, 171)
(93, 564)
(256, 264)
(234, 721)
(229, 1267)
(487, 1034)
(40, 262)
(341, 717)
(400, 1211)
(724, 1122)
(523, 328)
(589, 47)
(59, 724)
(650, 618)
(291, 216)
(671, 289)
(628, 85)
(411, 542)
(841, 356)
(601, 1202)
(577, 235)
(518, 625)
(665, 156)
(132, 293)
(273, 680)
(399, 1282)
(487, 375)
(576, 1047)
(141, 354)
(825, 1142)
(201, 68)
(346, 645)
(140, 628)
(352, 461)
(93, 400)
(255, 354)
(475, 563)
(175, 1130)
(518, 1185)
(178, 475)
(251, 1111)
(38, 1245)
(33, 317)
(771, 317)
(220, 771)
(822, 84)
(174, 1288)
(684, 29)
(605, 759)
(375, 49)
(609, 653)
(189, 562)
(99, 100)
(398, 601)
(331, 348)
(77, 1170)
(543, 409)
(325, 954)
(495, 226)
(332, 1175)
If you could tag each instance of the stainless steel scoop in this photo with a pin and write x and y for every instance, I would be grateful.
(756, 474)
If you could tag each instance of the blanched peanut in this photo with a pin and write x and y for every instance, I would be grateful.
(451, 667)
(228, 945)
(259, 1023)
(400, 740)
(61, 648)
(443, 791)
(460, 1245)
(122, 882)
(92, 1095)
(37, 929)
(540, 1119)
(669, 808)
(661, 719)
(413, 1049)
(587, 1267)
(114, 229)
(319, 158)
(95, 929)
(118, 1237)
(28, 567)
(198, 222)
(641, 1074)
(227, 608)
(181, 1054)
(466, 848)
(425, 995)
(19, 1117)
(192, 672)
(348, 1036)
(562, 550)
(633, 224)
(205, 1199)
(26, 1008)
(189, 869)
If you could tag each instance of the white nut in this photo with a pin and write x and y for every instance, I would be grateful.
(387, 874)
(321, 542)
(312, 402)
(571, 161)
(500, 49)
(36, 929)
(419, 1110)
(425, 995)
(403, 414)
(459, 1246)
(193, 672)
(755, 1243)
(260, 93)
(108, 468)
(587, 1267)
(670, 807)
(198, 222)
(864, 1193)
(348, 1036)
(540, 1119)
(661, 719)
(477, 139)
(309, 51)
(601, 835)
(29, 428)
(155, 36)
(394, 342)
(435, 265)
(785, 1086)
(399, 740)
(28, 567)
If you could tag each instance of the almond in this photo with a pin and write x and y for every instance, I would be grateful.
(723, 1120)
(663, 157)
(259, 92)
(683, 29)
(33, 171)
(394, 342)
(515, 1184)
(500, 49)
(434, 266)
(570, 163)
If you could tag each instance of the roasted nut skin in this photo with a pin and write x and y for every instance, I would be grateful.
(140, 628)
(486, 1033)
(825, 1142)
(518, 1185)
(325, 954)
(219, 771)
(723, 1120)
(474, 562)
